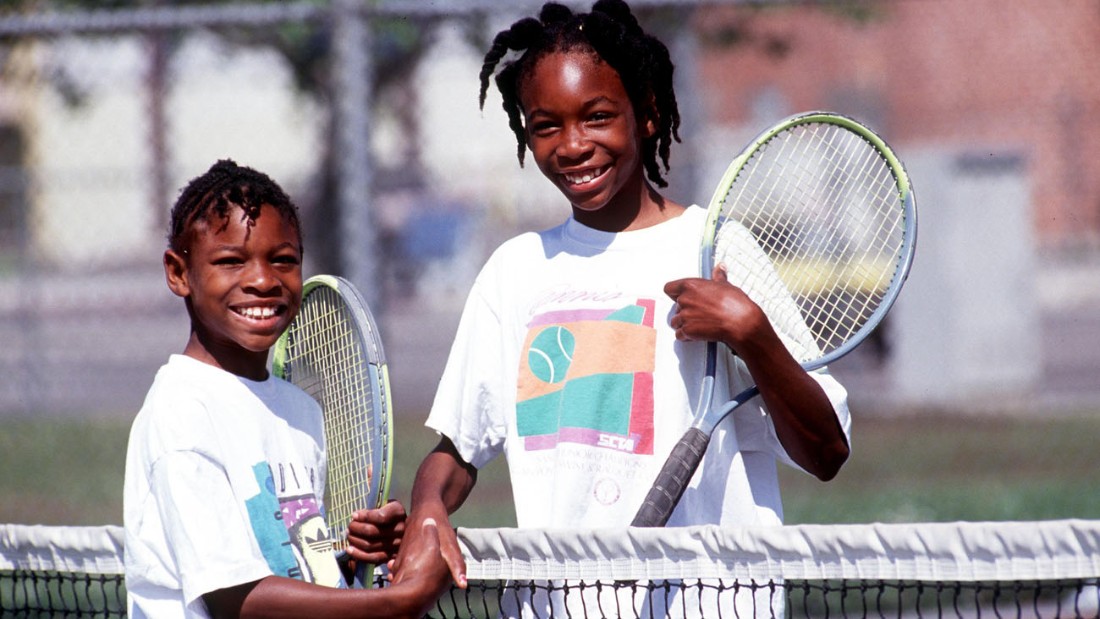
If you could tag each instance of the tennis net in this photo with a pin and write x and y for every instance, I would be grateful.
(965, 569)
(61, 571)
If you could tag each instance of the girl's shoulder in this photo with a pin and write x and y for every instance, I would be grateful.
(529, 243)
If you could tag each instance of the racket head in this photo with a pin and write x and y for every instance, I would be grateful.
(333, 351)
(832, 208)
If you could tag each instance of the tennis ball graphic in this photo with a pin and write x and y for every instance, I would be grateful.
(551, 353)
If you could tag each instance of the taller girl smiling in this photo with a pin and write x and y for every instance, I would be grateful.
(581, 348)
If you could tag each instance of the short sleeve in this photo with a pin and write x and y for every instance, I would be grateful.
(473, 394)
(213, 544)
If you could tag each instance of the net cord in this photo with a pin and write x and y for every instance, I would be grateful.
(966, 551)
(88, 550)
(948, 552)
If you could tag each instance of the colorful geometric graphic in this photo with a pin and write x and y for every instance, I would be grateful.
(291, 532)
(586, 376)
(266, 515)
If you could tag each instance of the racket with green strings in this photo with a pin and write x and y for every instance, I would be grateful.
(332, 350)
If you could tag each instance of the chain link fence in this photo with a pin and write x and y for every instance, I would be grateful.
(367, 114)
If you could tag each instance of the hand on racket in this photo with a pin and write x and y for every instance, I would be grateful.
(374, 535)
(815, 221)
(332, 351)
(713, 310)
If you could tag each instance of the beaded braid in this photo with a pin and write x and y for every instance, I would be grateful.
(224, 185)
(613, 34)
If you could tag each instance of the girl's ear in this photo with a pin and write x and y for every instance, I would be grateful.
(175, 273)
(649, 120)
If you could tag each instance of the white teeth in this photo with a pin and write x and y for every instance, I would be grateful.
(257, 312)
(583, 177)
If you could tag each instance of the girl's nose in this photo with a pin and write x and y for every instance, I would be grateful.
(260, 276)
(574, 143)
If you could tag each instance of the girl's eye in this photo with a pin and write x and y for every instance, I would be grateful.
(542, 128)
(228, 261)
(286, 259)
(600, 117)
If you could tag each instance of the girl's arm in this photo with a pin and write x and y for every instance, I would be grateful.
(804, 419)
(277, 596)
(443, 482)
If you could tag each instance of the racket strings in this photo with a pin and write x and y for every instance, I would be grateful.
(859, 181)
(824, 206)
(325, 359)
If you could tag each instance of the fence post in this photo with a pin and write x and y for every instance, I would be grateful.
(353, 72)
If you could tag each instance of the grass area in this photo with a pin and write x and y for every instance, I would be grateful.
(490, 503)
(62, 472)
(69, 472)
(902, 470)
(944, 469)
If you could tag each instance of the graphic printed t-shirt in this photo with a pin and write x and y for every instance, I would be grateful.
(224, 485)
(565, 362)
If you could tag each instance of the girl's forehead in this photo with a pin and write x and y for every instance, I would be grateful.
(578, 62)
(571, 71)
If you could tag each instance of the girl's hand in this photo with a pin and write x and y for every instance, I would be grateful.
(715, 310)
(439, 552)
(375, 535)
(426, 577)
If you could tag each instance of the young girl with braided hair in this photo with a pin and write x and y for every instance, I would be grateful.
(581, 348)
(225, 468)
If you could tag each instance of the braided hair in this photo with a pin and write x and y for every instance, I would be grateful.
(613, 35)
(223, 186)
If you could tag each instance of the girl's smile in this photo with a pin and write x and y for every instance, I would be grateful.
(580, 178)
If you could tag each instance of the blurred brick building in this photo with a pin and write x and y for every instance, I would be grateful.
(1017, 79)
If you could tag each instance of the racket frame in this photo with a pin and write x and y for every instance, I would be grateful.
(366, 329)
(687, 454)
(708, 420)
(909, 240)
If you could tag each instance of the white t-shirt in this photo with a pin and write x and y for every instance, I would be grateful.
(225, 478)
(564, 361)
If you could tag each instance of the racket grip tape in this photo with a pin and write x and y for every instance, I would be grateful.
(672, 480)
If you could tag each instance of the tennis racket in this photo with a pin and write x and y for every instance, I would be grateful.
(333, 352)
(816, 222)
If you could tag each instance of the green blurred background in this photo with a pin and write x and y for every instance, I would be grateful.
(908, 469)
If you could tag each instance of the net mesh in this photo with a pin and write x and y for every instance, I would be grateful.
(61, 572)
(995, 569)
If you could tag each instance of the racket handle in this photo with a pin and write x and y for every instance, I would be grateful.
(364, 573)
(673, 479)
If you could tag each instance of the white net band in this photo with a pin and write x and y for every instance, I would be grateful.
(1006, 569)
(958, 551)
(966, 551)
(86, 550)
